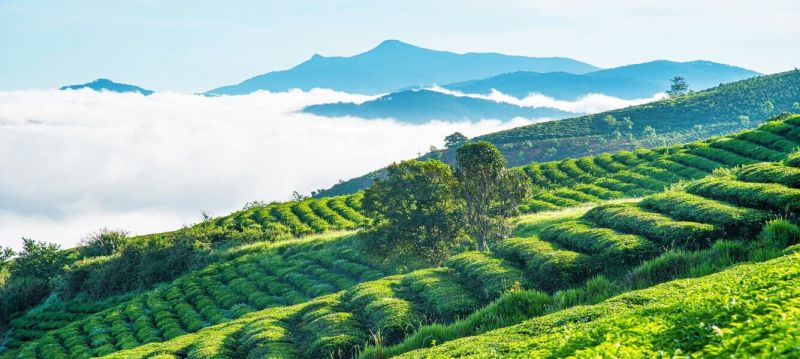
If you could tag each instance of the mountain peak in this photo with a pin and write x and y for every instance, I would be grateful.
(104, 84)
(393, 45)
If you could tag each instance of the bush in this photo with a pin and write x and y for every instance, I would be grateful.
(102, 243)
(548, 266)
(688, 207)
(770, 173)
(781, 232)
(659, 228)
(443, 296)
(487, 275)
(766, 196)
(748, 149)
(613, 248)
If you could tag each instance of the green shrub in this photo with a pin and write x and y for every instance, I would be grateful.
(659, 228)
(612, 248)
(770, 173)
(487, 275)
(700, 163)
(548, 267)
(748, 149)
(443, 296)
(598, 192)
(767, 196)
(688, 207)
(720, 155)
(769, 139)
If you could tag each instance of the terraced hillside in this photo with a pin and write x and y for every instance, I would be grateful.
(318, 297)
(300, 217)
(721, 110)
(751, 310)
(570, 182)
(245, 279)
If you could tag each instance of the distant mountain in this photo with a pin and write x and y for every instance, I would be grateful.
(108, 85)
(627, 82)
(716, 111)
(394, 65)
(420, 106)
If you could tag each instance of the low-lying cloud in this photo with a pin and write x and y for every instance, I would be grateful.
(588, 104)
(76, 161)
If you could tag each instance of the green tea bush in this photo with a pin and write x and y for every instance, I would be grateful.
(334, 335)
(612, 248)
(486, 275)
(700, 163)
(766, 196)
(688, 207)
(770, 173)
(588, 165)
(769, 139)
(546, 196)
(549, 267)
(443, 296)
(659, 228)
(720, 155)
(679, 169)
(571, 168)
(640, 181)
(321, 208)
(536, 175)
(608, 163)
(554, 174)
(748, 149)
(574, 195)
(303, 211)
(597, 191)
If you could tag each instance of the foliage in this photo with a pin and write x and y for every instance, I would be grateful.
(491, 193)
(415, 210)
(102, 243)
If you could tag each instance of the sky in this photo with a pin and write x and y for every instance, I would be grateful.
(196, 45)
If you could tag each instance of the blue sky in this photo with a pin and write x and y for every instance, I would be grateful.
(195, 45)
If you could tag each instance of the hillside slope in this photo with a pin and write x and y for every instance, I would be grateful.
(628, 82)
(321, 297)
(421, 106)
(751, 310)
(393, 65)
(720, 110)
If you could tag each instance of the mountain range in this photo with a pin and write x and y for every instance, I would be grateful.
(108, 85)
(394, 65)
(627, 82)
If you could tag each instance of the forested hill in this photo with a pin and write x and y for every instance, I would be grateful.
(719, 110)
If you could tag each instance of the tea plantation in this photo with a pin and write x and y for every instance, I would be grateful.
(569, 282)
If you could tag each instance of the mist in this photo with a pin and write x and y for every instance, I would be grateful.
(587, 104)
(77, 161)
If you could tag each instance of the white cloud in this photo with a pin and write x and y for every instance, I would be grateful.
(76, 161)
(590, 103)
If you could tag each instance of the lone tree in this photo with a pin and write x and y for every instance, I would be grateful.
(415, 210)
(455, 140)
(679, 87)
(490, 192)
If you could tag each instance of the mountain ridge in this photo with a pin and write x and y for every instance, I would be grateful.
(392, 65)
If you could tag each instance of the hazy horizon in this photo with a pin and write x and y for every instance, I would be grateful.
(195, 46)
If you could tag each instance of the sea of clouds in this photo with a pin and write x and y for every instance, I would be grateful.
(76, 161)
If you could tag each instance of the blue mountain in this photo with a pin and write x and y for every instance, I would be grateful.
(108, 85)
(420, 106)
(394, 65)
(628, 82)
